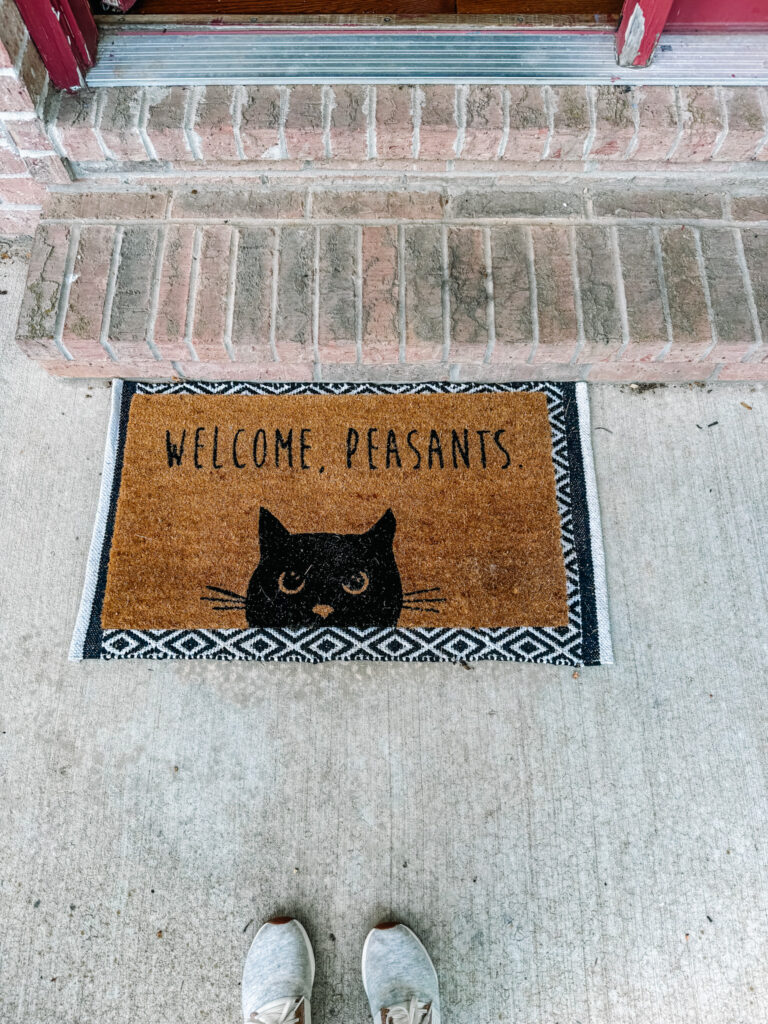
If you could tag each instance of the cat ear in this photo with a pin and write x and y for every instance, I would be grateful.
(271, 529)
(384, 530)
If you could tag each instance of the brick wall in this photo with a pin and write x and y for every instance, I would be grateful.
(28, 161)
(177, 130)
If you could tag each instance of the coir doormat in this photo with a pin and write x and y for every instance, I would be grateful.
(313, 522)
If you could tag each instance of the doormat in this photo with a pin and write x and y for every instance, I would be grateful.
(319, 522)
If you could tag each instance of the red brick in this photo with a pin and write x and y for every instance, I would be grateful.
(728, 297)
(293, 327)
(170, 324)
(663, 372)
(260, 122)
(642, 288)
(32, 72)
(213, 123)
(517, 371)
(744, 371)
(673, 204)
(423, 293)
(394, 122)
(598, 287)
(756, 252)
(129, 322)
(687, 302)
(13, 95)
(506, 201)
(752, 206)
(119, 123)
(469, 294)
(423, 203)
(166, 109)
(484, 122)
(74, 126)
(21, 191)
(10, 161)
(512, 294)
(528, 124)
(42, 350)
(46, 270)
(82, 327)
(389, 373)
(614, 121)
(14, 33)
(48, 170)
(304, 123)
(211, 293)
(110, 206)
(702, 124)
(558, 331)
(571, 122)
(658, 121)
(381, 307)
(29, 135)
(252, 201)
(746, 124)
(247, 371)
(337, 319)
(253, 293)
(14, 223)
(438, 130)
(97, 368)
(349, 122)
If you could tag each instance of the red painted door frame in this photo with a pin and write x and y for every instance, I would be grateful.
(717, 15)
(641, 24)
(65, 35)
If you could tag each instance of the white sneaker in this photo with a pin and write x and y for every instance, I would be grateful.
(278, 974)
(399, 977)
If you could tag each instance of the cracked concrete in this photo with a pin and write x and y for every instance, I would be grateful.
(571, 849)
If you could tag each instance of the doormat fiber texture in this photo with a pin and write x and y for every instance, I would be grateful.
(316, 522)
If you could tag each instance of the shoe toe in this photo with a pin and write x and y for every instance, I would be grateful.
(280, 964)
(396, 966)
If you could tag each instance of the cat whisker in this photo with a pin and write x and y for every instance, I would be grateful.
(228, 593)
(421, 608)
(225, 600)
(426, 600)
(425, 590)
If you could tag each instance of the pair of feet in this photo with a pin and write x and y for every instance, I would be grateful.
(398, 976)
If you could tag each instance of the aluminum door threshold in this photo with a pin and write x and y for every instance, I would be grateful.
(283, 55)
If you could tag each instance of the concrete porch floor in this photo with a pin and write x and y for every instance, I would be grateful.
(587, 849)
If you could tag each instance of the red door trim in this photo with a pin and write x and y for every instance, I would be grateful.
(642, 22)
(65, 35)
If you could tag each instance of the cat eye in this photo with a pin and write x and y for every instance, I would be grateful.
(356, 584)
(290, 582)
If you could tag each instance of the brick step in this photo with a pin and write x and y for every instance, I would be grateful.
(569, 280)
(178, 129)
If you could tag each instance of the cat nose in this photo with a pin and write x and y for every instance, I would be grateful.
(323, 610)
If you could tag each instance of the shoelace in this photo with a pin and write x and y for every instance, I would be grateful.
(283, 1011)
(412, 1013)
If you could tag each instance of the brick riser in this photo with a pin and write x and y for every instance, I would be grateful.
(258, 282)
(177, 130)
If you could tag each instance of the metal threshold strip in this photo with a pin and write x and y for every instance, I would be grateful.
(284, 55)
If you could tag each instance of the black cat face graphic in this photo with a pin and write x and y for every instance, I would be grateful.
(325, 579)
(341, 579)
